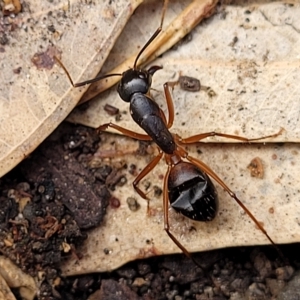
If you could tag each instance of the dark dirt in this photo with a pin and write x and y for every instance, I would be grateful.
(63, 163)
(48, 203)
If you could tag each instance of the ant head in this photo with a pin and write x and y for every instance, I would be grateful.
(135, 81)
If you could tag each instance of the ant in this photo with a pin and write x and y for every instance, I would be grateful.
(186, 185)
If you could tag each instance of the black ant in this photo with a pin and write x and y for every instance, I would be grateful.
(187, 185)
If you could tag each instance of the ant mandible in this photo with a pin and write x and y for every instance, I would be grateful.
(186, 185)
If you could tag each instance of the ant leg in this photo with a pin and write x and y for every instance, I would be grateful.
(166, 219)
(201, 136)
(201, 165)
(167, 86)
(170, 103)
(127, 132)
(143, 173)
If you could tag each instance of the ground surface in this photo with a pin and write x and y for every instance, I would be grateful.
(40, 227)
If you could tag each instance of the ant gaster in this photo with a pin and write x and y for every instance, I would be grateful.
(187, 185)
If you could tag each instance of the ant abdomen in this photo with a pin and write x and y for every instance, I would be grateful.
(192, 193)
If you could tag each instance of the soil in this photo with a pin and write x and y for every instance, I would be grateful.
(51, 200)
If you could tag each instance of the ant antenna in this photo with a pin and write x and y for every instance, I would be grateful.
(155, 34)
(84, 82)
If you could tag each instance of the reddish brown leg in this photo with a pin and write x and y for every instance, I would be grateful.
(143, 173)
(201, 165)
(169, 103)
(127, 132)
(166, 218)
(201, 136)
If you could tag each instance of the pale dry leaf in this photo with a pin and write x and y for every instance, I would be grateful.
(187, 18)
(127, 235)
(5, 292)
(35, 94)
(247, 54)
(238, 71)
(17, 279)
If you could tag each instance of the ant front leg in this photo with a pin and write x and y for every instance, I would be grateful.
(142, 174)
(126, 132)
(170, 103)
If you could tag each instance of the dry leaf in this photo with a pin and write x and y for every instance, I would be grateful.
(35, 94)
(252, 66)
(127, 235)
(247, 54)
(12, 276)
(187, 17)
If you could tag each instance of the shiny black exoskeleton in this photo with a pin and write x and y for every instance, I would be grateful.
(190, 190)
(192, 193)
(134, 87)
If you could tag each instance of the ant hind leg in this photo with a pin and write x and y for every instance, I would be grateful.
(198, 137)
(142, 174)
(205, 168)
(166, 219)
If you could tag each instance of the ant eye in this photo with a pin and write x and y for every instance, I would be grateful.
(142, 76)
